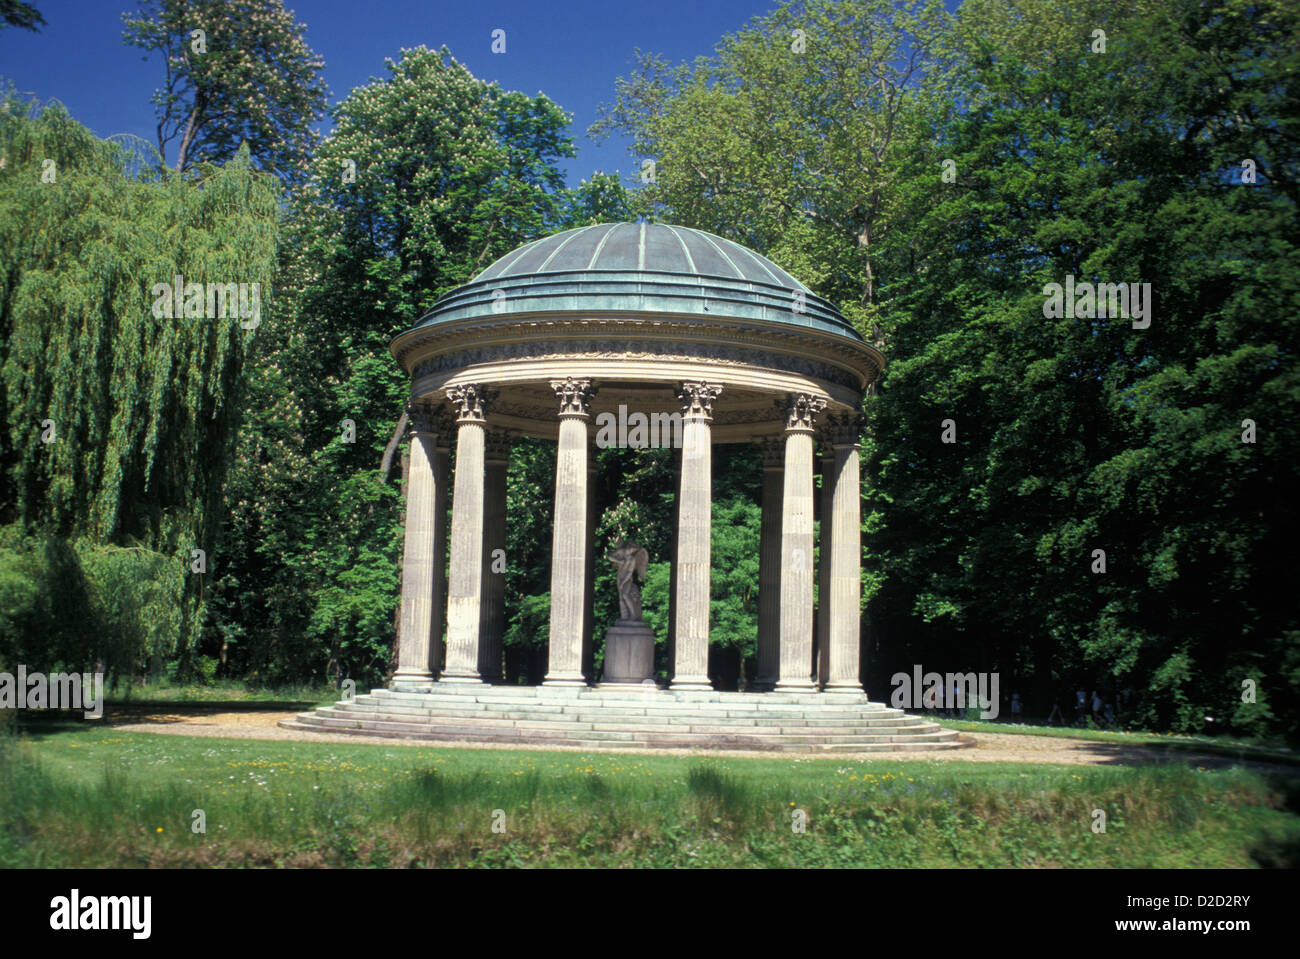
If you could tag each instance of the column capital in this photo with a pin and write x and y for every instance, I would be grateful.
(799, 410)
(425, 416)
(497, 445)
(697, 399)
(845, 429)
(826, 443)
(471, 402)
(574, 395)
(445, 429)
(773, 448)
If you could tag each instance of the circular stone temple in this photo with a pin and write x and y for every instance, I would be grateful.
(708, 342)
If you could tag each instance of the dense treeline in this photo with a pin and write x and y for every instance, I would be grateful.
(1072, 498)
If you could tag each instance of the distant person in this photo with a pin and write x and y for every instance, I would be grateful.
(1080, 705)
(1096, 708)
(1056, 716)
(1016, 706)
(1108, 713)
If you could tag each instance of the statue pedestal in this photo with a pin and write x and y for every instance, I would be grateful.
(629, 652)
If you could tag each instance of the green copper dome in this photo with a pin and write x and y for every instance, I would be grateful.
(615, 268)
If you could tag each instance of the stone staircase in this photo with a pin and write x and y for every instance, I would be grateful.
(633, 717)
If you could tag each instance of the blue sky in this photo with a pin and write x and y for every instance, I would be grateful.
(571, 51)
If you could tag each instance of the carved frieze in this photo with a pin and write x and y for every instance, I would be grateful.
(595, 349)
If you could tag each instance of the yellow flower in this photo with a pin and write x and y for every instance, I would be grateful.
(159, 829)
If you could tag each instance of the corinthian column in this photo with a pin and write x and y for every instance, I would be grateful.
(492, 616)
(846, 557)
(569, 546)
(421, 628)
(769, 565)
(694, 523)
(465, 589)
(796, 615)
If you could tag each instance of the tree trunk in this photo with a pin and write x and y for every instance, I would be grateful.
(191, 128)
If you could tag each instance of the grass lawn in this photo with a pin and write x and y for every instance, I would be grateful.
(72, 795)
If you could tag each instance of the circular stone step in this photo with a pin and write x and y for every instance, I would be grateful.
(640, 717)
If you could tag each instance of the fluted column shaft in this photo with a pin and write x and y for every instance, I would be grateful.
(797, 544)
(672, 574)
(465, 587)
(769, 566)
(441, 535)
(694, 528)
(589, 580)
(846, 561)
(420, 598)
(825, 532)
(569, 543)
(492, 616)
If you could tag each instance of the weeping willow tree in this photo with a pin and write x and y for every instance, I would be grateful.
(122, 400)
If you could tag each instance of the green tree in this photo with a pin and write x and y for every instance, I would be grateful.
(602, 199)
(787, 139)
(17, 13)
(119, 419)
(1083, 434)
(236, 71)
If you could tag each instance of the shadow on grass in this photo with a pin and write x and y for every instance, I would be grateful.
(1155, 749)
(1190, 754)
(1281, 849)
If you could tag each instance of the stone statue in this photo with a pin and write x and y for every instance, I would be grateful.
(629, 559)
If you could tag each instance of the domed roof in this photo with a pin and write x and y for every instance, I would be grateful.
(616, 268)
(644, 247)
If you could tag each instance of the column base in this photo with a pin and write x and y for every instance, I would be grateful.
(692, 684)
(574, 680)
(412, 681)
(843, 688)
(807, 686)
(444, 678)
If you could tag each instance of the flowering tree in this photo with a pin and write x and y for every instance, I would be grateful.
(236, 70)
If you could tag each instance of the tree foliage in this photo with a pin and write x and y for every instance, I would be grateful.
(17, 13)
(236, 71)
(119, 421)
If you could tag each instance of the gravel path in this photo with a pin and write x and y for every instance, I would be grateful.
(989, 747)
